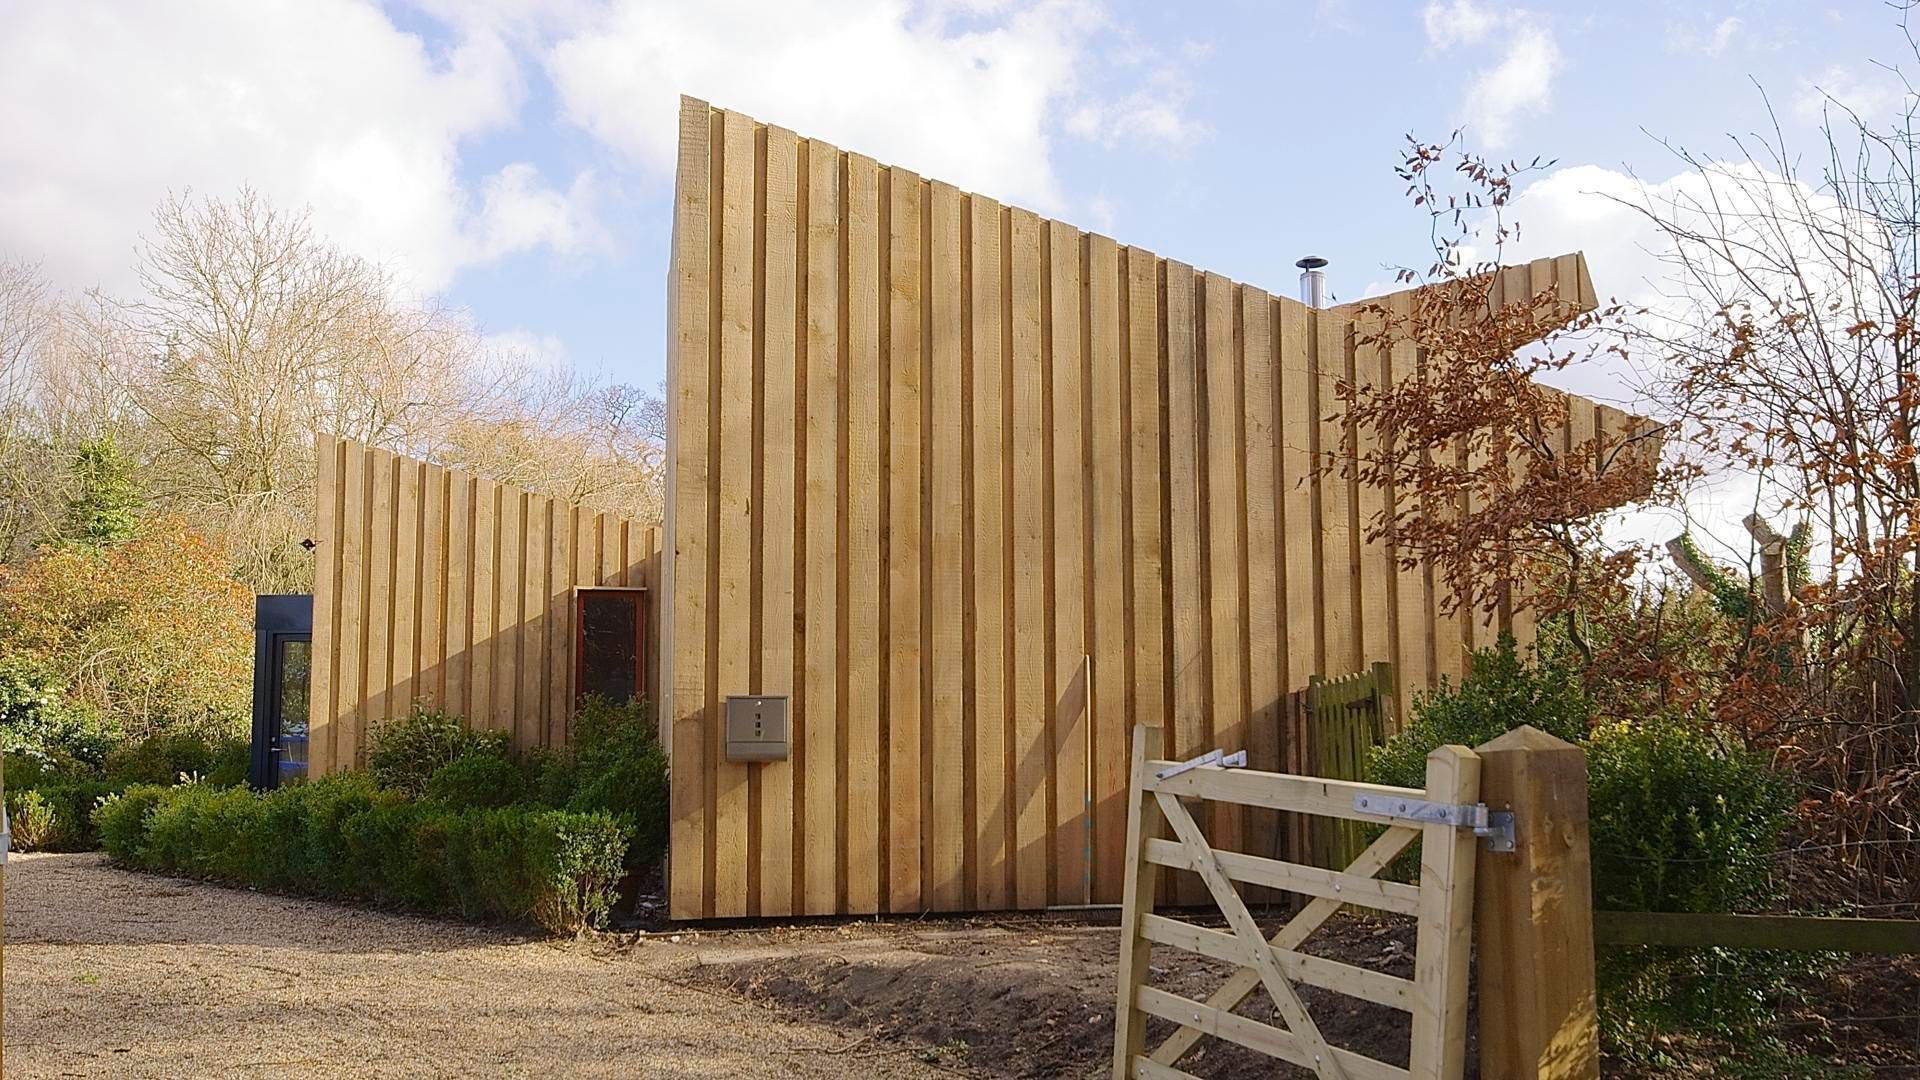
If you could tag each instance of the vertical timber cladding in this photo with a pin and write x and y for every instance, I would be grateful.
(435, 586)
(982, 491)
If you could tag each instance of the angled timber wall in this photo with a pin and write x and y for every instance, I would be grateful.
(981, 491)
(437, 586)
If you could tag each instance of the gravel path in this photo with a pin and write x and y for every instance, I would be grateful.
(115, 973)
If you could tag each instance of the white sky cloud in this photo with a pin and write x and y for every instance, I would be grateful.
(1872, 92)
(969, 96)
(323, 104)
(1519, 83)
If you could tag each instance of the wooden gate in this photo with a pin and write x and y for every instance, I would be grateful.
(1346, 717)
(1442, 903)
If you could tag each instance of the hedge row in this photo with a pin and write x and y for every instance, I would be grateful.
(343, 837)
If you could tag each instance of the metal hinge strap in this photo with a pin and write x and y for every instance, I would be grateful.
(1495, 825)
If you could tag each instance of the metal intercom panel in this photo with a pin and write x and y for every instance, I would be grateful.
(756, 728)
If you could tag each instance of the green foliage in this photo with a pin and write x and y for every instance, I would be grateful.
(1679, 823)
(164, 759)
(1500, 692)
(122, 821)
(106, 503)
(40, 726)
(152, 632)
(344, 836)
(618, 768)
(56, 817)
(31, 818)
(405, 752)
(476, 782)
(1682, 823)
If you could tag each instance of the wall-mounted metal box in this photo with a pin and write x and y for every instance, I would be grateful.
(756, 728)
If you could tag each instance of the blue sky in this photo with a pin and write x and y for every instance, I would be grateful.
(513, 158)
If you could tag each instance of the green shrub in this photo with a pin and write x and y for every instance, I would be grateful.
(618, 768)
(123, 820)
(477, 783)
(40, 724)
(341, 836)
(1500, 692)
(1683, 823)
(405, 752)
(32, 820)
(168, 758)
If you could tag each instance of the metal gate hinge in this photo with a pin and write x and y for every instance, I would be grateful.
(1495, 825)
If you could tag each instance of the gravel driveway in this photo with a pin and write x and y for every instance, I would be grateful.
(115, 973)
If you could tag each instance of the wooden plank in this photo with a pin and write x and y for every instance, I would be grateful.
(734, 533)
(560, 637)
(1149, 1069)
(1144, 823)
(406, 583)
(1072, 880)
(1413, 596)
(324, 691)
(432, 663)
(1378, 582)
(509, 618)
(945, 614)
(1798, 933)
(529, 717)
(1226, 546)
(1332, 975)
(1279, 791)
(486, 604)
(686, 596)
(1146, 491)
(1299, 518)
(904, 540)
(1256, 954)
(862, 757)
(1108, 574)
(1339, 546)
(1444, 934)
(774, 518)
(1029, 565)
(1533, 914)
(383, 477)
(1191, 674)
(992, 827)
(1265, 610)
(821, 835)
(1294, 877)
(1254, 1035)
(611, 566)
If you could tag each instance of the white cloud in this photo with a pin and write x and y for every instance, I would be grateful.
(969, 94)
(523, 350)
(1460, 23)
(1519, 83)
(1872, 93)
(325, 105)
(1682, 38)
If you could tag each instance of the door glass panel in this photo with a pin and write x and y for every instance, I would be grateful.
(295, 672)
(610, 645)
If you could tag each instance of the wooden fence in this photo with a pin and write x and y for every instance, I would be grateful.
(980, 491)
(436, 586)
(1436, 996)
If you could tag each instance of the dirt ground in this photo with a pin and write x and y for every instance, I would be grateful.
(115, 973)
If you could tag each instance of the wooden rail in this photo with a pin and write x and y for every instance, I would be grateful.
(1797, 933)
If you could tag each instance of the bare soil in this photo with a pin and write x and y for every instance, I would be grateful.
(116, 973)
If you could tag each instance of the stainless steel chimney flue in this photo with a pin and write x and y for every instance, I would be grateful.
(1313, 281)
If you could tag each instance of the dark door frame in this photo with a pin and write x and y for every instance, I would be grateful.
(277, 619)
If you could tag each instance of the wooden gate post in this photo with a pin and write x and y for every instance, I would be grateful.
(1534, 907)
